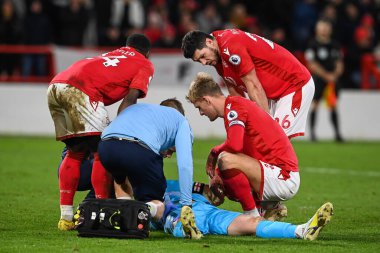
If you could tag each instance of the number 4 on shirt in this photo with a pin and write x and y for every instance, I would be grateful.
(269, 42)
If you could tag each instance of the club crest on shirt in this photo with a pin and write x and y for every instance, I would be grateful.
(235, 59)
(232, 115)
(94, 104)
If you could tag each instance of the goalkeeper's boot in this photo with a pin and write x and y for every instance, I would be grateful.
(314, 226)
(65, 225)
(276, 213)
(188, 223)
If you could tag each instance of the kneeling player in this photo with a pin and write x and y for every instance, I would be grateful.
(257, 155)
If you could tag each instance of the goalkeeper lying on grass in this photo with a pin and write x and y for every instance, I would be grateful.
(212, 220)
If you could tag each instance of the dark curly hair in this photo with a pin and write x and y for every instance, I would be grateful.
(192, 41)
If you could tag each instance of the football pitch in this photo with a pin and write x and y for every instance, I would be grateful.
(347, 175)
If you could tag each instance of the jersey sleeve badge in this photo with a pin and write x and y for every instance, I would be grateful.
(232, 115)
(235, 59)
(232, 118)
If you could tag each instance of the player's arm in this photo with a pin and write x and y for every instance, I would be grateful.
(138, 87)
(317, 69)
(183, 144)
(129, 99)
(255, 90)
(233, 144)
(234, 92)
(339, 68)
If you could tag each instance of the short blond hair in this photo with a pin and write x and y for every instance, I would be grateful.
(202, 85)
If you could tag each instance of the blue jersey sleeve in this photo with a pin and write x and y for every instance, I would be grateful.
(183, 144)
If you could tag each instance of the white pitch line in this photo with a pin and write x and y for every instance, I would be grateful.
(340, 171)
(332, 171)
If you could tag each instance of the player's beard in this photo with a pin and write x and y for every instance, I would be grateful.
(216, 55)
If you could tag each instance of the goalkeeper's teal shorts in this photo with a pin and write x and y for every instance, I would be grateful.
(208, 218)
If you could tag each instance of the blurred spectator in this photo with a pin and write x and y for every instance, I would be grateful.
(349, 21)
(370, 71)
(73, 21)
(305, 15)
(208, 18)
(37, 31)
(324, 59)
(278, 35)
(186, 24)
(10, 34)
(168, 38)
(127, 17)
(178, 8)
(155, 24)
(103, 21)
(329, 12)
(238, 17)
(361, 44)
(224, 7)
(252, 25)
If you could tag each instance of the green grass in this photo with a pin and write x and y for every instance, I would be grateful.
(347, 174)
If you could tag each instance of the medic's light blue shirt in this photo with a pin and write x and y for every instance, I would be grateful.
(159, 127)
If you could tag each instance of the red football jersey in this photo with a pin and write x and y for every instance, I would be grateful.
(109, 77)
(279, 72)
(263, 138)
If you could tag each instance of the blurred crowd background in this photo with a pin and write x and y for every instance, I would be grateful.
(107, 23)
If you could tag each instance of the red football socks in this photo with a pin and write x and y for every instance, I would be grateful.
(69, 174)
(237, 187)
(100, 179)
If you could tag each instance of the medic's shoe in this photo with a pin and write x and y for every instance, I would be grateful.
(65, 225)
(277, 213)
(320, 219)
(188, 222)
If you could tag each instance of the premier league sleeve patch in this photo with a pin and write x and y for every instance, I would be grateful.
(235, 59)
(232, 118)
(232, 115)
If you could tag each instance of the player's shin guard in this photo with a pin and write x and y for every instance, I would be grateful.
(100, 179)
(69, 173)
(275, 229)
(237, 188)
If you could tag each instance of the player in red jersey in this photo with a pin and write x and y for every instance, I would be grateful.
(257, 155)
(77, 98)
(267, 72)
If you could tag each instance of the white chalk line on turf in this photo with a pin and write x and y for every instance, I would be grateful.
(333, 171)
(340, 171)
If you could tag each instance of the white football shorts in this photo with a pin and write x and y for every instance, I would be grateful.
(291, 110)
(74, 113)
(274, 187)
